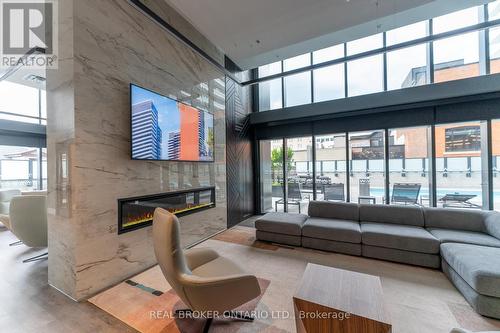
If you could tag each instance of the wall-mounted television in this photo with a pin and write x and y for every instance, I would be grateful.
(169, 130)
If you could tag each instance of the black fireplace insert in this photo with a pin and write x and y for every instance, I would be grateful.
(137, 212)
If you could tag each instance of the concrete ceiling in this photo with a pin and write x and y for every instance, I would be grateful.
(257, 32)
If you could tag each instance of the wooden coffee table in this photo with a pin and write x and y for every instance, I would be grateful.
(335, 300)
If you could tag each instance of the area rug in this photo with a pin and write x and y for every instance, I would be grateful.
(419, 300)
(150, 310)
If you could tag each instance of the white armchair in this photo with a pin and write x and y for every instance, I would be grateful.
(28, 219)
(5, 197)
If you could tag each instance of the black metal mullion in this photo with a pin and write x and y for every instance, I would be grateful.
(40, 171)
(347, 169)
(430, 54)
(285, 175)
(314, 165)
(386, 166)
(312, 78)
(282, 87)
(346, 89)
(487, 165)
(384, 38)
(432, 168)
(486, 42)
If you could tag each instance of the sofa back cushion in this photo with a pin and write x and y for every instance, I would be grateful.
(407, 215)
(456, 219)
(334, 210)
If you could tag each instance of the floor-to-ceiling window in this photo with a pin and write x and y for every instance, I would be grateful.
(23, 160)
(299, 178)
(20, 168)
(367, 170)
(329, 82)
(445, 165)
(331, 176)
(365, 75)
(271, 175)
(23, 103)
(407, 67)
(298, 86)
(409, 175)
(458, 165)
(270, 95)
(390, 60)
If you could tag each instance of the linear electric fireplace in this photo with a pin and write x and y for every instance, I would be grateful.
(137, 212)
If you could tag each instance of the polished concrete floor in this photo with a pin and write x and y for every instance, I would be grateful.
(29, 304)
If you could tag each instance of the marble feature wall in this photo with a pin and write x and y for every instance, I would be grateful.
(107, 45)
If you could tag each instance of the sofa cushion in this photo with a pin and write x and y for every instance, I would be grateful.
(467, 237)
(478, 265)
(457, 219)
(407, 215)
(281, 223)
(334, 210)
(401, 237)
(337, 230)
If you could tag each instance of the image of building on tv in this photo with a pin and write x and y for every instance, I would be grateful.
(164, 129)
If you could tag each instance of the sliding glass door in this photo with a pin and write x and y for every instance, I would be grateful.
(445, 165)
(331, 175)
(458, 165)
(271, 175)
(367, 168)
(409, 175)
(299, 177)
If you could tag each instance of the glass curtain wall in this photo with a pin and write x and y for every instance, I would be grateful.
(329, 83)
(458, 165)
(367, 171)
(459, 151)
(298, 86)
(331, 176)
(457, 57)
(270, 92)
(271, 175)
(409, 175)
(299, 176)
(20, 168)
(22, 103)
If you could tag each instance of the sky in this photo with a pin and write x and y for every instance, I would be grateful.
(168, 113)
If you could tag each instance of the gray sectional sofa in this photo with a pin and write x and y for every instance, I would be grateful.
(465, 243)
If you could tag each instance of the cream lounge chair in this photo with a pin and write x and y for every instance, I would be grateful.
(206, 282)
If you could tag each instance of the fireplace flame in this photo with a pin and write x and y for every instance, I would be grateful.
(148, 217)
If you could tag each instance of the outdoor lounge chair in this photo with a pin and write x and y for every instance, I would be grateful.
(295, 196)
(404, 193)
(334, 192)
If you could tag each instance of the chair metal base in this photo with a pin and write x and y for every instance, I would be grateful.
(36, 258)
(16, 243)
(228, 314)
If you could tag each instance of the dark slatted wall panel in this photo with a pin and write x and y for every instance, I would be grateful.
(240, 200)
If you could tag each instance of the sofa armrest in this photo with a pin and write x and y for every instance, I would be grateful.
(492, 224)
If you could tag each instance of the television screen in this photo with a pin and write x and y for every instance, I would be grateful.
(165, 129)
